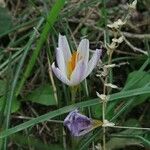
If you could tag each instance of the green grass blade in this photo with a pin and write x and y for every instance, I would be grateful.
(7, 105)
(51, 19)
(32, 22)
(15, 80)
(142, 139)
(58, 112)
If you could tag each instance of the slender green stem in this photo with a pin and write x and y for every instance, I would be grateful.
(104, 14)
(73, 94)
(104, 130)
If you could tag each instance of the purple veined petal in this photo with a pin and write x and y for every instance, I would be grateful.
(84, 124)
(60, 61)
(83, 50)
(77, 123)
(60, 75)
(78, 73)
(93, 61)
(64, 46)
(69, 119)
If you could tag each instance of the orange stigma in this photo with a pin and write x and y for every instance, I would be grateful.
(72, 63)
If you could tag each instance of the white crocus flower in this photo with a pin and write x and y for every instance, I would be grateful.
(74, 67)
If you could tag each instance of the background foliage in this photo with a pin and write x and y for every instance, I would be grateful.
(33, 103)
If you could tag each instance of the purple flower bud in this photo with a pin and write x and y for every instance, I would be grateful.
(77, 123)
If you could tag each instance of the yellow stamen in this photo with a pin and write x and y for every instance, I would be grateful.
(72, 63)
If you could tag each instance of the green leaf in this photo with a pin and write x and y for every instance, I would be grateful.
(96, 111)
(2, 87)
(15, 104)
(142, 78)
(5, 20)
(35, 143)
(118, 142)
(135, 80)
(43, 95)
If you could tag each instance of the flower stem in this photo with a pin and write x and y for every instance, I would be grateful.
(103, 115)
(73, 94)
(105, 101)
(106, 39)
(104, 130)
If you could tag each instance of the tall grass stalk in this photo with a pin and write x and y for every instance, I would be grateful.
(15, 81)
(51, 19)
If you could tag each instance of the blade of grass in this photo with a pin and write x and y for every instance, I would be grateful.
(15, 80)
(132, 82)
(36, 143)
(88, 140)
(5, 63)
(144, 141)
(20, 40)
(125, 107)
(51, 19)
(19, 26)
(58, 112)
(7, 101)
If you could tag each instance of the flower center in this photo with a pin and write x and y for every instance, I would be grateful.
(72, 63)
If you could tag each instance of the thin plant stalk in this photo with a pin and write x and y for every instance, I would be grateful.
(73, 94)
(104, 13)
(7, 103)
(52, 81)
(103, 114)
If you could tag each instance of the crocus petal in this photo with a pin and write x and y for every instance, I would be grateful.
(77, 123)
(93, 61)
(60, 61)
(60, 75)
(83, 50)
(78, 73)
(64, 46)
